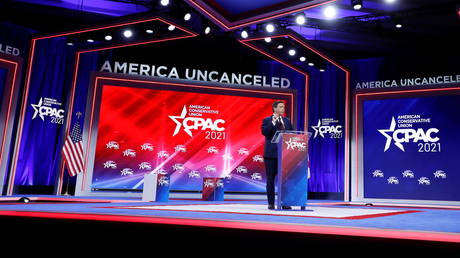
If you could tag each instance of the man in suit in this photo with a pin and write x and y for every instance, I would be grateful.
(270, 125)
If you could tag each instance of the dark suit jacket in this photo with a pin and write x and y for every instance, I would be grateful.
(269, 130)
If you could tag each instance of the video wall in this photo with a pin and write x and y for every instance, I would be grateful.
(186, 133)
(411, 147)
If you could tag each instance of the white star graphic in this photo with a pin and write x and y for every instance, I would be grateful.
(179, 124)
(390, 137)
(36, 107)
(316, 128)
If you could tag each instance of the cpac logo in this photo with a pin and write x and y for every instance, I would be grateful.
(163, 154)
(210, 168)
(162, 172)
(256, 176)
(178, 167)
(424, 181)
(129, 153)
(110, 164)
(195, 123)
(127, 172)
(194, 174)
(440, 174)
(400, 136)
(43, 111)
(408, 173)
(180, 148)
(291, 145)
(323, 129)
(227, 156)
(163, 181)
(241, 169)
(147, 146)
(112, 145)
(209, 183)
(145, 165)
(212, 149)
(258, 158)
(377, 173)
(243, 151)
(393, 180)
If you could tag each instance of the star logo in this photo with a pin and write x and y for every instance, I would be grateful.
(317, 129)
(179, 124)
(37, 107)
(389, 137)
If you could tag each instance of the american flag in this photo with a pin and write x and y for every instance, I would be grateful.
(73, 151)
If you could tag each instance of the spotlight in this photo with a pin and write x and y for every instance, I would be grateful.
(171, 27)
(244, 34)
(69, 44)
(292, 52)
(302, 59)
(398, 25)
(300, 19)
(207, 30)
(187, 16)
(390, 1)
(357, 4)
(270, 28)
(322, 70)
(24, 200)
(280, 47)
(127, 33)
(268, 40)
(311, 64)
(164, 2)
(149, 31)
(90, 40)
(108, 37)
(330, 12)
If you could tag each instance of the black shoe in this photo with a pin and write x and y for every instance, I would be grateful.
(271, 207)
(286, 207)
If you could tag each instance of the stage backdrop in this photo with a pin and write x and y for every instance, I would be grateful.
(186, 134)
(411, 148)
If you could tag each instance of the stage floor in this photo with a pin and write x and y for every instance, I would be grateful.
(325, 218)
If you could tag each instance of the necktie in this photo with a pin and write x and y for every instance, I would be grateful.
(282, 125)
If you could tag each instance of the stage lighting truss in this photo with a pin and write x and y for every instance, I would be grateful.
(287, 47)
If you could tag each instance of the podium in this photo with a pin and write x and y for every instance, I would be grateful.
(292, 177)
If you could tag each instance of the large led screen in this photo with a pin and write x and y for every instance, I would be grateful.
(411, 148)
(187, 134)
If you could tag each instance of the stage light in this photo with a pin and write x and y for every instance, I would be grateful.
(280, 47)
(187, 16)
(270, 28)
(398, 25)
(322, 70)
(149, 31)
(69, 44)
(90, 40)
(24, 200)
(108, 37)
(164, 2)
(127, 33)
(357, 4)
(268, 40)
(171, 27)
(311, 64)
(244, 34)
(207, 30)
(300, 19)
(390, 1)
(302, 59)
(292, 52)
(330, 12)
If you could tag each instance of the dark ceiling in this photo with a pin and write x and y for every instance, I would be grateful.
(427, 25)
